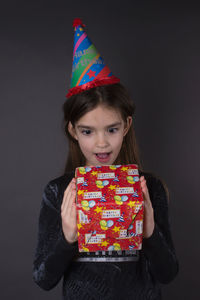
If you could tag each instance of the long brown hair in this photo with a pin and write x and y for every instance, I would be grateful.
(114, 96)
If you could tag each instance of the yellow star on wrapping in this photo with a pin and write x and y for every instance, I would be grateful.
(98, 209)
(104, 243)
(116, 229)
(124, 168)
(79, 226)
(112, 187)
(78, 34)
(131, 203)
(85, 249)
(94, 173)
(80, 192)
(81, 29)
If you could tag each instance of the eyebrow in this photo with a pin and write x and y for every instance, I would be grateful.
(80, 126)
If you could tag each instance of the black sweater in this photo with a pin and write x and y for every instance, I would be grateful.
(138, 280)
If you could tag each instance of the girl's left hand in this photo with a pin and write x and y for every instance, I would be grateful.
(148, 225)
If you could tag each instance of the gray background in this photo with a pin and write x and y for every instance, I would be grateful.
(154, 48)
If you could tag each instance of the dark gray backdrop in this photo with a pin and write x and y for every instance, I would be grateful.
(154, 48)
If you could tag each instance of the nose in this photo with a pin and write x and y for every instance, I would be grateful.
(102, 140)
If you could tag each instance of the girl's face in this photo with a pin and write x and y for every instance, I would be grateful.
(100, 134)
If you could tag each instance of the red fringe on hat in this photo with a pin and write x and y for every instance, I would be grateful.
(92, 84)
(78, 22)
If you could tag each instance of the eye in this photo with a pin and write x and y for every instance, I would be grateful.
(112, 130)
(86, 131)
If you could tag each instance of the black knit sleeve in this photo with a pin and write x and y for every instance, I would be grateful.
(159, 249)
(53, 253)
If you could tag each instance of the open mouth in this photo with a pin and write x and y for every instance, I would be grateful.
(103, 157)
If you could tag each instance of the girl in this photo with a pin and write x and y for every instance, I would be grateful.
(98, 123)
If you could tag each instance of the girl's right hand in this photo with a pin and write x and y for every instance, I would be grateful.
(68, 213)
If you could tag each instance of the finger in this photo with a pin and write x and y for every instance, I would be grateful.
(147, 200)
(72, 203)
(66, 192)
(142, 178)
(65, 196)
(145, 190)
(66, 202)
(143, 183)
(73, 212)
(70, 200)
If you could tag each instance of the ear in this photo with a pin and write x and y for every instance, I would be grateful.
(128, 124)
(72, 131)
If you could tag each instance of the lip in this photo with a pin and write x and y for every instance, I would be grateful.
(105, 156)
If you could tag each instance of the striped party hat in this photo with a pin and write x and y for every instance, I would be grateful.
(88, 68)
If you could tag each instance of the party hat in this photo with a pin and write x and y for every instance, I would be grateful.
(88, 68)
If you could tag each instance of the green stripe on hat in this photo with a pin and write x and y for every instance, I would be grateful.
(83, 64)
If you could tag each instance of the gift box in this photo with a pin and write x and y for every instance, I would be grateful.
(110, 208)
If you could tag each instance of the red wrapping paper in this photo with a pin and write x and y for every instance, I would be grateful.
(110, 208)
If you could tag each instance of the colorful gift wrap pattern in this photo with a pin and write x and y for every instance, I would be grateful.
(109, 208)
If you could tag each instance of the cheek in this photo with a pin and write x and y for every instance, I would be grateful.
(85, 145)
(117, 143)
